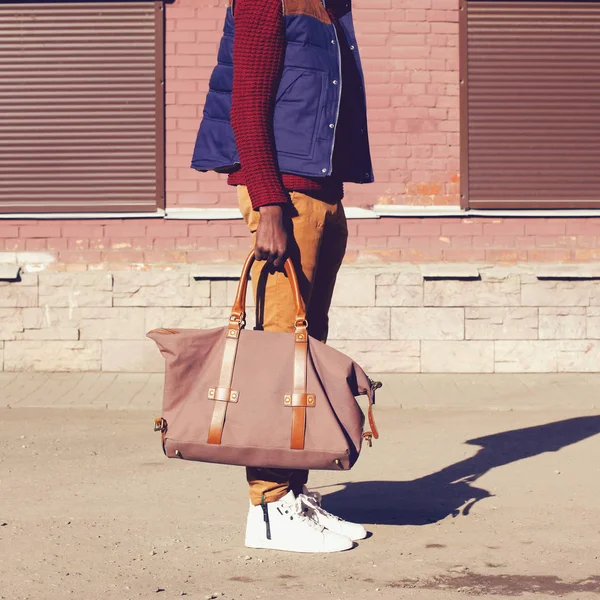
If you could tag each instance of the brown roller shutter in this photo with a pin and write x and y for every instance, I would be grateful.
(81, 106)
(530, 104)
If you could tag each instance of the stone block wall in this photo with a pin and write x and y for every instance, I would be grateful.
(400, 318)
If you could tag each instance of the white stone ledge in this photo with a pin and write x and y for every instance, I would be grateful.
(28, 261)
(584, 271)
(556, 212)
(233, 214)
(215, 272)
(449, 271)
(175, 213)
(352, 212)
(159, 213)
(203, 214)
(9, 272)
(407, 210)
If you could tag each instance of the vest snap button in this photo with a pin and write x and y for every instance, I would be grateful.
(335, 82)
(331, 126)
(352, 47)
(324, 171)
(333, 41)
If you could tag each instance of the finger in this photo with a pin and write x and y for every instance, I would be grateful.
(267, 253)
(278, 261)
(259, 253)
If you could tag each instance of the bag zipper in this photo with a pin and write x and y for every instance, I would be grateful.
(265, 510)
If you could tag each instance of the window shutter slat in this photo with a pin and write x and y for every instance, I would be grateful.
(532, 95)
(81, 106)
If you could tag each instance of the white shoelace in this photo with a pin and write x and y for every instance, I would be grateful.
(307, 516)
(311, 503)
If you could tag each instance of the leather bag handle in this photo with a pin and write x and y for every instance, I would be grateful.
(238, 312)
(223, 395)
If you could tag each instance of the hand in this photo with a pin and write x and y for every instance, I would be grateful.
(271, 235)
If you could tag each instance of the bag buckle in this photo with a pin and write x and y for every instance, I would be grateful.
(368, 437)
(375, 385)
(160, 424)
(238, 320)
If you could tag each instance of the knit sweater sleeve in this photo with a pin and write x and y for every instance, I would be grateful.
(258, 52)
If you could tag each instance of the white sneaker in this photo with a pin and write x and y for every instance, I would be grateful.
(311, 501)
(286, 525)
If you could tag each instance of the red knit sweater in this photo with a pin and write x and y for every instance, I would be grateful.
(258, 54)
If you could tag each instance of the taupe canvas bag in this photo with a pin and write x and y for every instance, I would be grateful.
(259, 398)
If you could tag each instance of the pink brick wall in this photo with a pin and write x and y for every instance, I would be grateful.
(142, 244)
(410, 55)
(193, 30)
(411, 59)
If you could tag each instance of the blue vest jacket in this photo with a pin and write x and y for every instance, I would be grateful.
(307, 103)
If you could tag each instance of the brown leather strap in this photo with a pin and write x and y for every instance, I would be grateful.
(298, 428)
(238, 311)
(374, 433)
(300, 360)
(299, 400)
(160, 424)
(298, 300)
(239, 304)
(223, 394)
(217, 422)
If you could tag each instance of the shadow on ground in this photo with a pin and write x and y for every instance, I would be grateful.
(450, 491)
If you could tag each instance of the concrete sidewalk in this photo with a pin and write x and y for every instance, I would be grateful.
(480, 486)
(460, 504)
(471, 392)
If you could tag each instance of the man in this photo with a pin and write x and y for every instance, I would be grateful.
(285, 117)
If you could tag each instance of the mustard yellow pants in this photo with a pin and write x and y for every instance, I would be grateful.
(318, 238)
